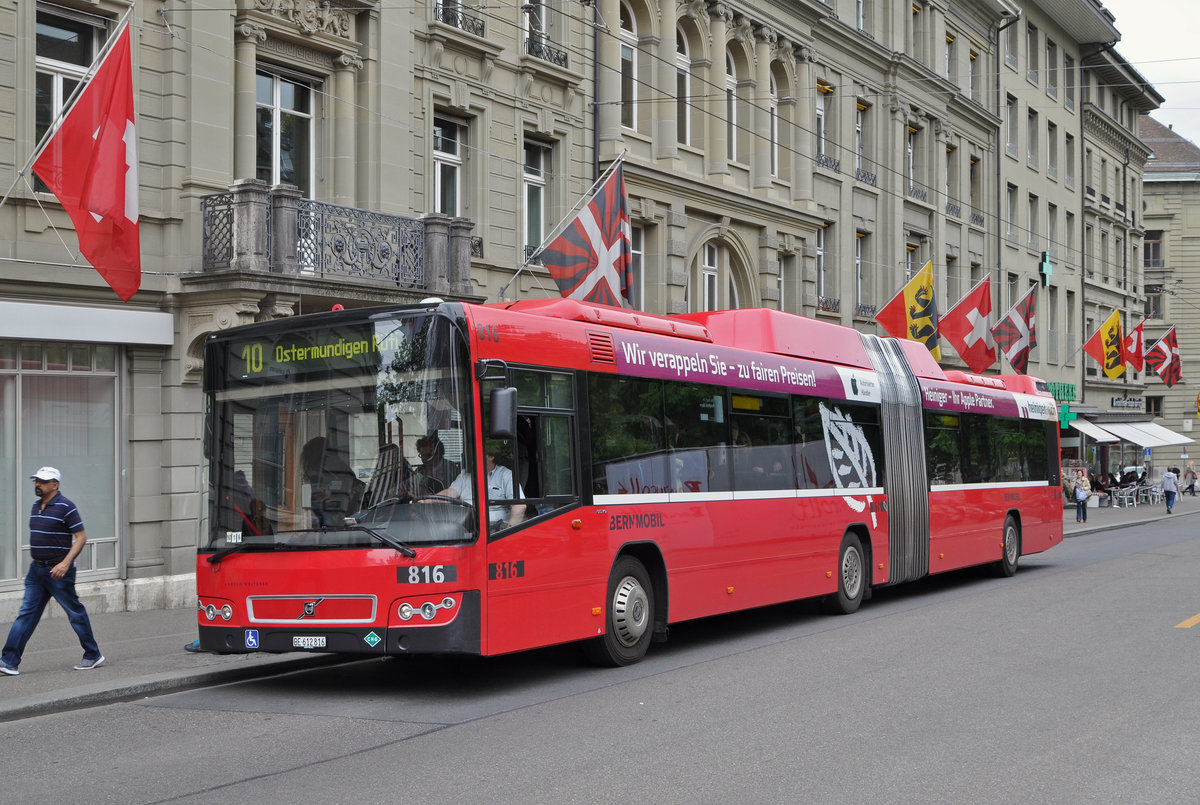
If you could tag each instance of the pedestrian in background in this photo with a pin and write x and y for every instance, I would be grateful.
(1189, 479)
(56, 537)
(1170, 486)
(1083, 489)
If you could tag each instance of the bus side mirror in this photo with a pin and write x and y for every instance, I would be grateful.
(503, 405)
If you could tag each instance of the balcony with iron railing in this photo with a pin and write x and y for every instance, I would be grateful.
(829, 304)
(537, 47)
(454, 16)
(275, 231)
(829, 163)
(864, 311)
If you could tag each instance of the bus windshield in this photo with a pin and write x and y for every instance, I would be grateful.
(338, 435)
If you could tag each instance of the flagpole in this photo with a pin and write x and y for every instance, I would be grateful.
(561, 225)
(66, 107)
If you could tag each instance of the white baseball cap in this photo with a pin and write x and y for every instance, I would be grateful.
(47, 474)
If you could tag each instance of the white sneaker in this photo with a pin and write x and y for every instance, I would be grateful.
(87, 665)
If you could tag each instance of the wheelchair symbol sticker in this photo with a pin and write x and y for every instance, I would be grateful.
(251, 638)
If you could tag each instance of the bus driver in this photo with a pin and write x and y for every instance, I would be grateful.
(499, 487)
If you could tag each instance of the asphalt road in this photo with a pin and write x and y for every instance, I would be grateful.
(1071, 682)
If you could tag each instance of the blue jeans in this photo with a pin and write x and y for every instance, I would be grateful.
(1081, 510)
(40, 587)
(1170, 496)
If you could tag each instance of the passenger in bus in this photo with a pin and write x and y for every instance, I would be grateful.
(499, 487)
(336, 491)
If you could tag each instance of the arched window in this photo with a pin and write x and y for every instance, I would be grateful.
(683, 88)
(773, 113)
(714, 269)
(731, 117)
(629, 41)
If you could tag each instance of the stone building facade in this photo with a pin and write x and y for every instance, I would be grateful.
(806, 156)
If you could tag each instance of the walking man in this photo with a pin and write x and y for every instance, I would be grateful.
(56, 537)
(1170, 485)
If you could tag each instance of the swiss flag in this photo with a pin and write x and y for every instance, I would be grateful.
(1135, 347)
(592, 258)
(90, 164)
(967, 327)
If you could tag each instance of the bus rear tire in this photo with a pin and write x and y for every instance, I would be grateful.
(852, 577)
(629, 617)
(1011, 547)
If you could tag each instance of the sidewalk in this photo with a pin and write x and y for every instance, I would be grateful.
(144, 650)
(143, 656)
(1107, 517)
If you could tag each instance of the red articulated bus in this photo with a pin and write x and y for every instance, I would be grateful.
(449, 477)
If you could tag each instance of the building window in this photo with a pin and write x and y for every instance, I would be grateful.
(537, 166)
(449, 142)
(1010, 46)
(731, 109)
(824, 92)
(709, 273)
(1154, 405)
(66, 46)
(950, 55)
(1051, 68)
(61, 409)
(1010, 224)
(860, 245)
(1051, 150)
(821, 260)
(1033, 221)
(1069, 153)
(637, 267)
(683, 89)
(1154, 303)
(1152, 254)
(917, 31)
(1068, 81)
(1010, 125)
(1032, 48)
(975, 88)
(284, 131)
(773, 121)
(1032, 133)
(1052, 244)
(860, 136)
(629, 43)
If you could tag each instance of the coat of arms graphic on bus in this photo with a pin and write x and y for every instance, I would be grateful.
(850, 457)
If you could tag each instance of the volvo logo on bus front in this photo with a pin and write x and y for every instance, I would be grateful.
(310, 609)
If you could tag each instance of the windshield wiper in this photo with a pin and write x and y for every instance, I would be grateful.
(243, 546)
(385, 538)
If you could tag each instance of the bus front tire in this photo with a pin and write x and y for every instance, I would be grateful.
(1011, 547)
(852, 577)
(629, 619)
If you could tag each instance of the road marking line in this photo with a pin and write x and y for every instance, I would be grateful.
(1189, 623)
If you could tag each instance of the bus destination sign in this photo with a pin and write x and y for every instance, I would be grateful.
(298, 354)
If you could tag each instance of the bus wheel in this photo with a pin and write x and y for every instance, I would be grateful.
(852, 578)
(1012, 549)
(630, 617)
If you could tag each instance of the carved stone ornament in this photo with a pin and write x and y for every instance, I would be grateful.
(767, 36)
(347, 61)
(250, 31)
(310, 16)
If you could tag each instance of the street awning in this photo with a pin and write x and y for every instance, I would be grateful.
(1145, 434)
(1095, 432)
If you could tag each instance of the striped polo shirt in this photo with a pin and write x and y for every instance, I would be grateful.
(52, 530)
